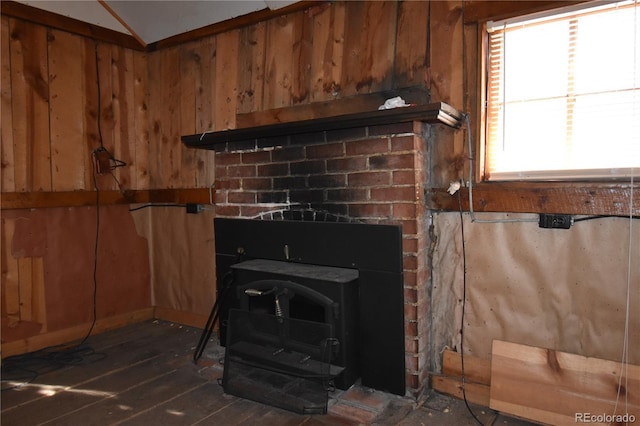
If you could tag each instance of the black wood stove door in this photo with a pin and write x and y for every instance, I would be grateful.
(374, 251)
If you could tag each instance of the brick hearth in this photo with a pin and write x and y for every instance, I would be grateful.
(373, 174)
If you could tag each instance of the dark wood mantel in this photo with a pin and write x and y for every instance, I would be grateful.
(433, 113)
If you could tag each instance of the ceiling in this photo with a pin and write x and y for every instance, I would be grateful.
(152, 20)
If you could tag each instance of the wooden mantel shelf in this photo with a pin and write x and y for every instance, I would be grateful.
(433, 113)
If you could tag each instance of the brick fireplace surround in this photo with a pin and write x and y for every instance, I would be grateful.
(372, 174)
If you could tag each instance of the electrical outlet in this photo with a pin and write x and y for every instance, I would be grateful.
(103, 161)
(193, 208)
(559, 221)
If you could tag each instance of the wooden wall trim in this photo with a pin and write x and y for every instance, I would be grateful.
(542, 197)
(232, 24)
(483, 10)
(64, 23)
(35, 200)
(70, 334)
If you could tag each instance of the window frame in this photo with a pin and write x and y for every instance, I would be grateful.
(580, 197)
(481, 159)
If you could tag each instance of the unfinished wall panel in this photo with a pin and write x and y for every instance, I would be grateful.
(48, 248)
(559, 289)
(183, 258)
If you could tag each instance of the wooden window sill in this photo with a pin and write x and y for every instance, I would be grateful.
(578, 198)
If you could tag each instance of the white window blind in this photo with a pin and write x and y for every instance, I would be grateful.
(563, 94)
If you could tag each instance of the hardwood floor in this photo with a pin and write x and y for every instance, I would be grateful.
(139, 375)
(143, 374)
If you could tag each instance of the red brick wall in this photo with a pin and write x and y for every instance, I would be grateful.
(375, 174)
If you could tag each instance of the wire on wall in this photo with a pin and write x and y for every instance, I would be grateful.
(464, 304)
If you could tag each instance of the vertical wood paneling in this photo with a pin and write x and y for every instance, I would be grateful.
(154, 119)
(206, 85)
(66, 111)
(411, 44)
(169, 162)
(90, 124)
(30, 106)
(369, 47)
(327, 53)
(106, 126)
(141, 125)
(226, 80)
(190, 59)
(25, 271)
(7, 165)
(302, 52)
(447, 84)
(38, 300)
(251, 67)
(279, 71)
(205, 98)
(124, 114)
(10, 280)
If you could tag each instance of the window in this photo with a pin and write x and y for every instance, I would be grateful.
(563, 94)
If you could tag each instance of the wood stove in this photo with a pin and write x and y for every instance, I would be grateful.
(342, 280)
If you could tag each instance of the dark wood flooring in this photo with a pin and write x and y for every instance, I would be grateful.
(143, 374)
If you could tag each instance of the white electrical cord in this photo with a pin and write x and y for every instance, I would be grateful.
(624, 359)
(467, 121)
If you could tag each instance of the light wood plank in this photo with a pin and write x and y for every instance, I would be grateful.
(141, 178)
(302, 52)
(279, 72)
(91, 110)
(124, 114)
(66, 107)
(476, 393)
(10, 274)
(169, 161)
(189, 66)
(226, 70)
(25, 275)
(251, 67)
(30, 94)
(477, 370)
(327, 53)
(552, 387)
(7, 172)
(38, 301)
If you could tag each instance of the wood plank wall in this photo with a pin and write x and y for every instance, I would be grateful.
(52, 121)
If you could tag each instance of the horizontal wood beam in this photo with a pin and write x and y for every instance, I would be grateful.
(537, 197)
(434, 113)
(64, 23)
(333, 108)
(485, 10)
(36, 200)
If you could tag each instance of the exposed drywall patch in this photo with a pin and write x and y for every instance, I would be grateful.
(558, 289)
